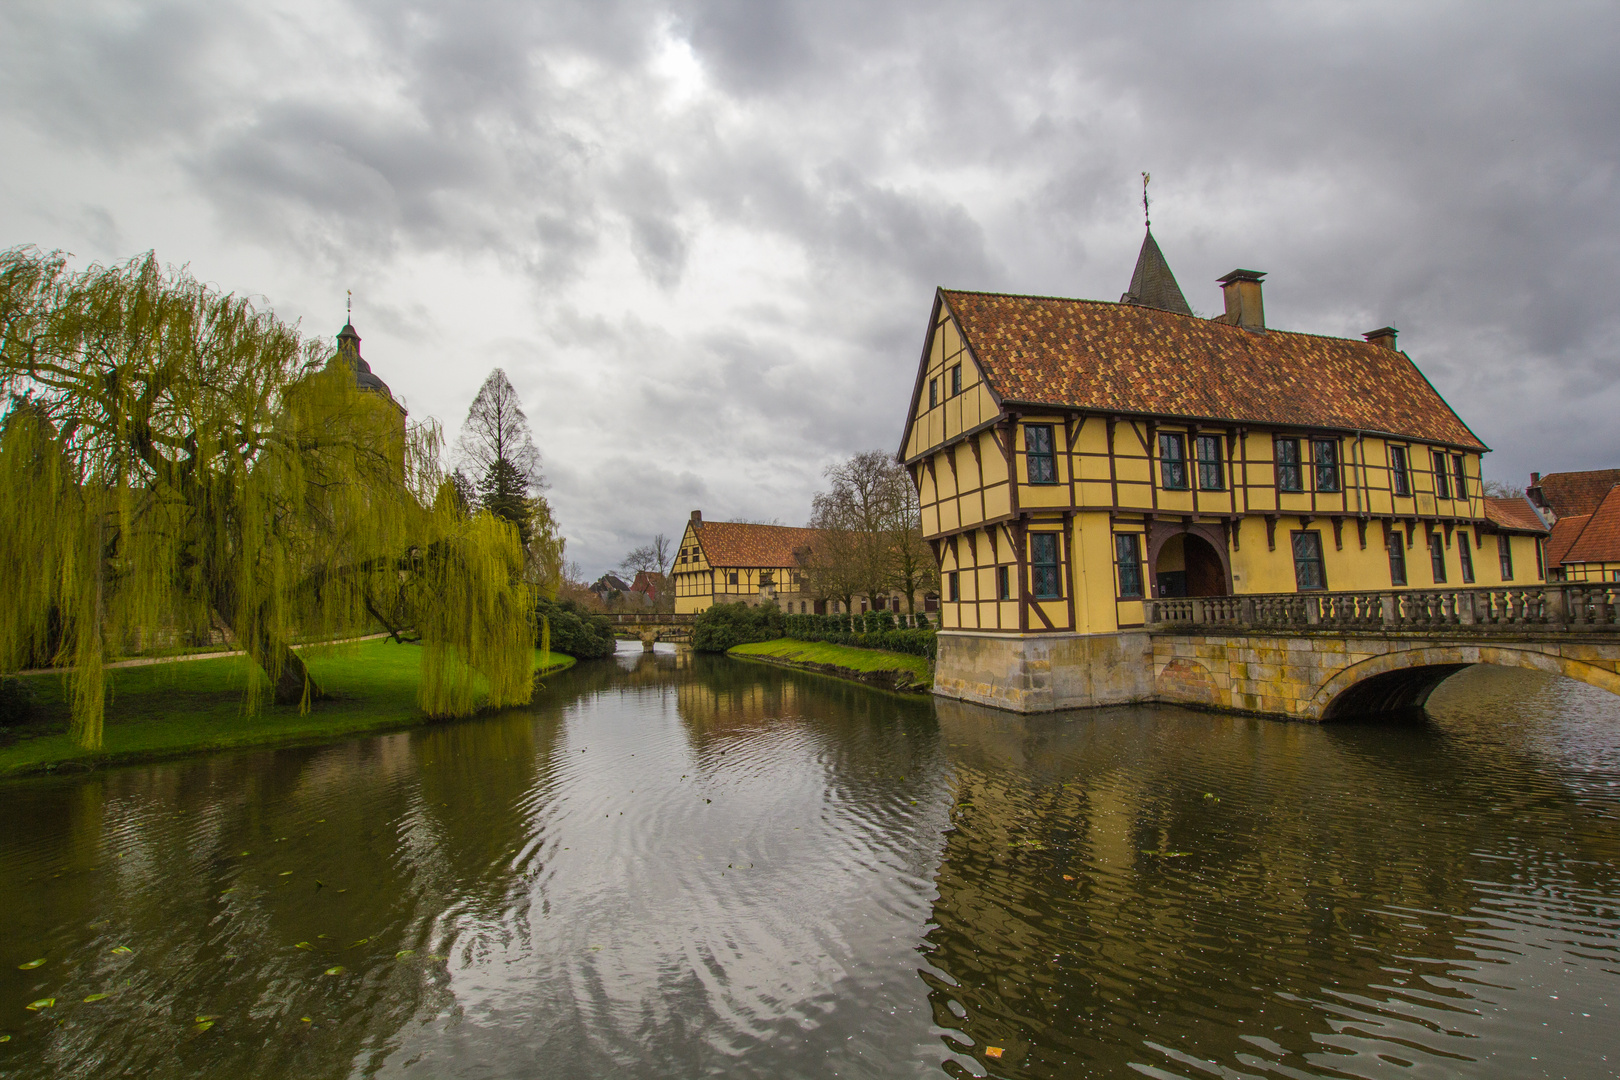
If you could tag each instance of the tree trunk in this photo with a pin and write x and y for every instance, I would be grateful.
(289, 687)
(272, 654)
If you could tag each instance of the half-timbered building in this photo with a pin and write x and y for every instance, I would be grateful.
(726, 562)
(1076, 457)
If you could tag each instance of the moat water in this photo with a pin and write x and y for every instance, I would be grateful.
(679, 866)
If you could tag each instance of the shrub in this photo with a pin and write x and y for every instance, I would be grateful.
(721, 626)
(16, 701)
(575, 630)
(835, 629)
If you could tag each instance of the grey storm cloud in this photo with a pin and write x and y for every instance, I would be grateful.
(719, 224)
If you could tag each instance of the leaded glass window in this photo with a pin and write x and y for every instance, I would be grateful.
(1308, 569)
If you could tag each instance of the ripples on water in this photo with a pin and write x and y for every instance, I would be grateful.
(688, 866)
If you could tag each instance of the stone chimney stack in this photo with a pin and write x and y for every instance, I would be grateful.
(1243, 304)
(1383, 337)
(697, 519)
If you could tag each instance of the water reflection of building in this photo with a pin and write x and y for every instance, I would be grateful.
(1150, 883)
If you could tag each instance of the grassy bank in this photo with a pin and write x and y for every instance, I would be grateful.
(846, 661)
(190, 706)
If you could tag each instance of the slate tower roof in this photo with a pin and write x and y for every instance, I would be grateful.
(348, 340)
(1152, 283)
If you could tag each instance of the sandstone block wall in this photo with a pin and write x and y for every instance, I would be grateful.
(1297, 676)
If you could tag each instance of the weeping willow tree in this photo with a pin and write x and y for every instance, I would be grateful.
(173, 460)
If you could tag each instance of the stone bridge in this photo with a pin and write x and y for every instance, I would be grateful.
(652, 627)
(1323, 656)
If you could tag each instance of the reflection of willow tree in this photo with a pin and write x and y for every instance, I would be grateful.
(1215, 874)
(173, 459)
(183, 865)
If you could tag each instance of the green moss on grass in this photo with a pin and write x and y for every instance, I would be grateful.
(190, 706)
(791, 650)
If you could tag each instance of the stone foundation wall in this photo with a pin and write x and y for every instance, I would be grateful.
(1041, 673)
(1289, 675)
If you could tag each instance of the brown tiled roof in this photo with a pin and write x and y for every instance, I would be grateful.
(1091, 354)
(1600, 540)
(1577, 492)
(1565, 531)
(734, 543)
(1515, 513)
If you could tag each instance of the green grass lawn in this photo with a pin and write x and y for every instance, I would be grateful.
(822, 652)
(163, 710)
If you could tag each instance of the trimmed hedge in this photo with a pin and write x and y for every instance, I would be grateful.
(873, 630)
(575, 630)
(725, 625)
(718, 628)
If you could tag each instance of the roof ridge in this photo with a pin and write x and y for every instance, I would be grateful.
(1209, 320)
(1093, 354)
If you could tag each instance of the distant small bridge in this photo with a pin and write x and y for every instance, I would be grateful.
(1323, 656)
(651, 627)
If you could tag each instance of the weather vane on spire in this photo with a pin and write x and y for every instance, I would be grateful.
(349, 305)
(1146, 220)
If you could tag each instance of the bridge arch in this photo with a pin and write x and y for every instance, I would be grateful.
(1404, 678)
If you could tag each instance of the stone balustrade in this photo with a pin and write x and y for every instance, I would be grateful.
(1582, 607)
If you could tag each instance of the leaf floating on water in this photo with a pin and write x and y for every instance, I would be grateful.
(244, 854)
(1166, 854)
(304, 945)
(31, 965)
(203, 1026)
(357, 944)
(994, 1051)
(284, 873)
(335, 969)
(122, 950)
(306, 1019)
(96, 997)
(1068, 877)
(5, 1038)
(205, 1019)
(403, 953)
(42, 1003)
(319, 884)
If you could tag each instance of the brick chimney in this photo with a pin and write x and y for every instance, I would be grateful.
(1534, 493)
(1243, 304)
(697, 519)
(1383, 337)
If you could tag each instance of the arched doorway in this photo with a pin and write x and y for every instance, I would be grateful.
(1188, 565)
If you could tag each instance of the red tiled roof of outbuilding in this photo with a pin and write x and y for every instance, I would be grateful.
(1515, 514)
(1565, 531)
(1095, 355)
(1570, 493)
(1599, 541)
(736, 543)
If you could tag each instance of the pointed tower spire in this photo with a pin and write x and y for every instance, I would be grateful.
(1152, 283)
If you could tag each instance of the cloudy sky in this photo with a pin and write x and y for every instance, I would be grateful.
(702, 238)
